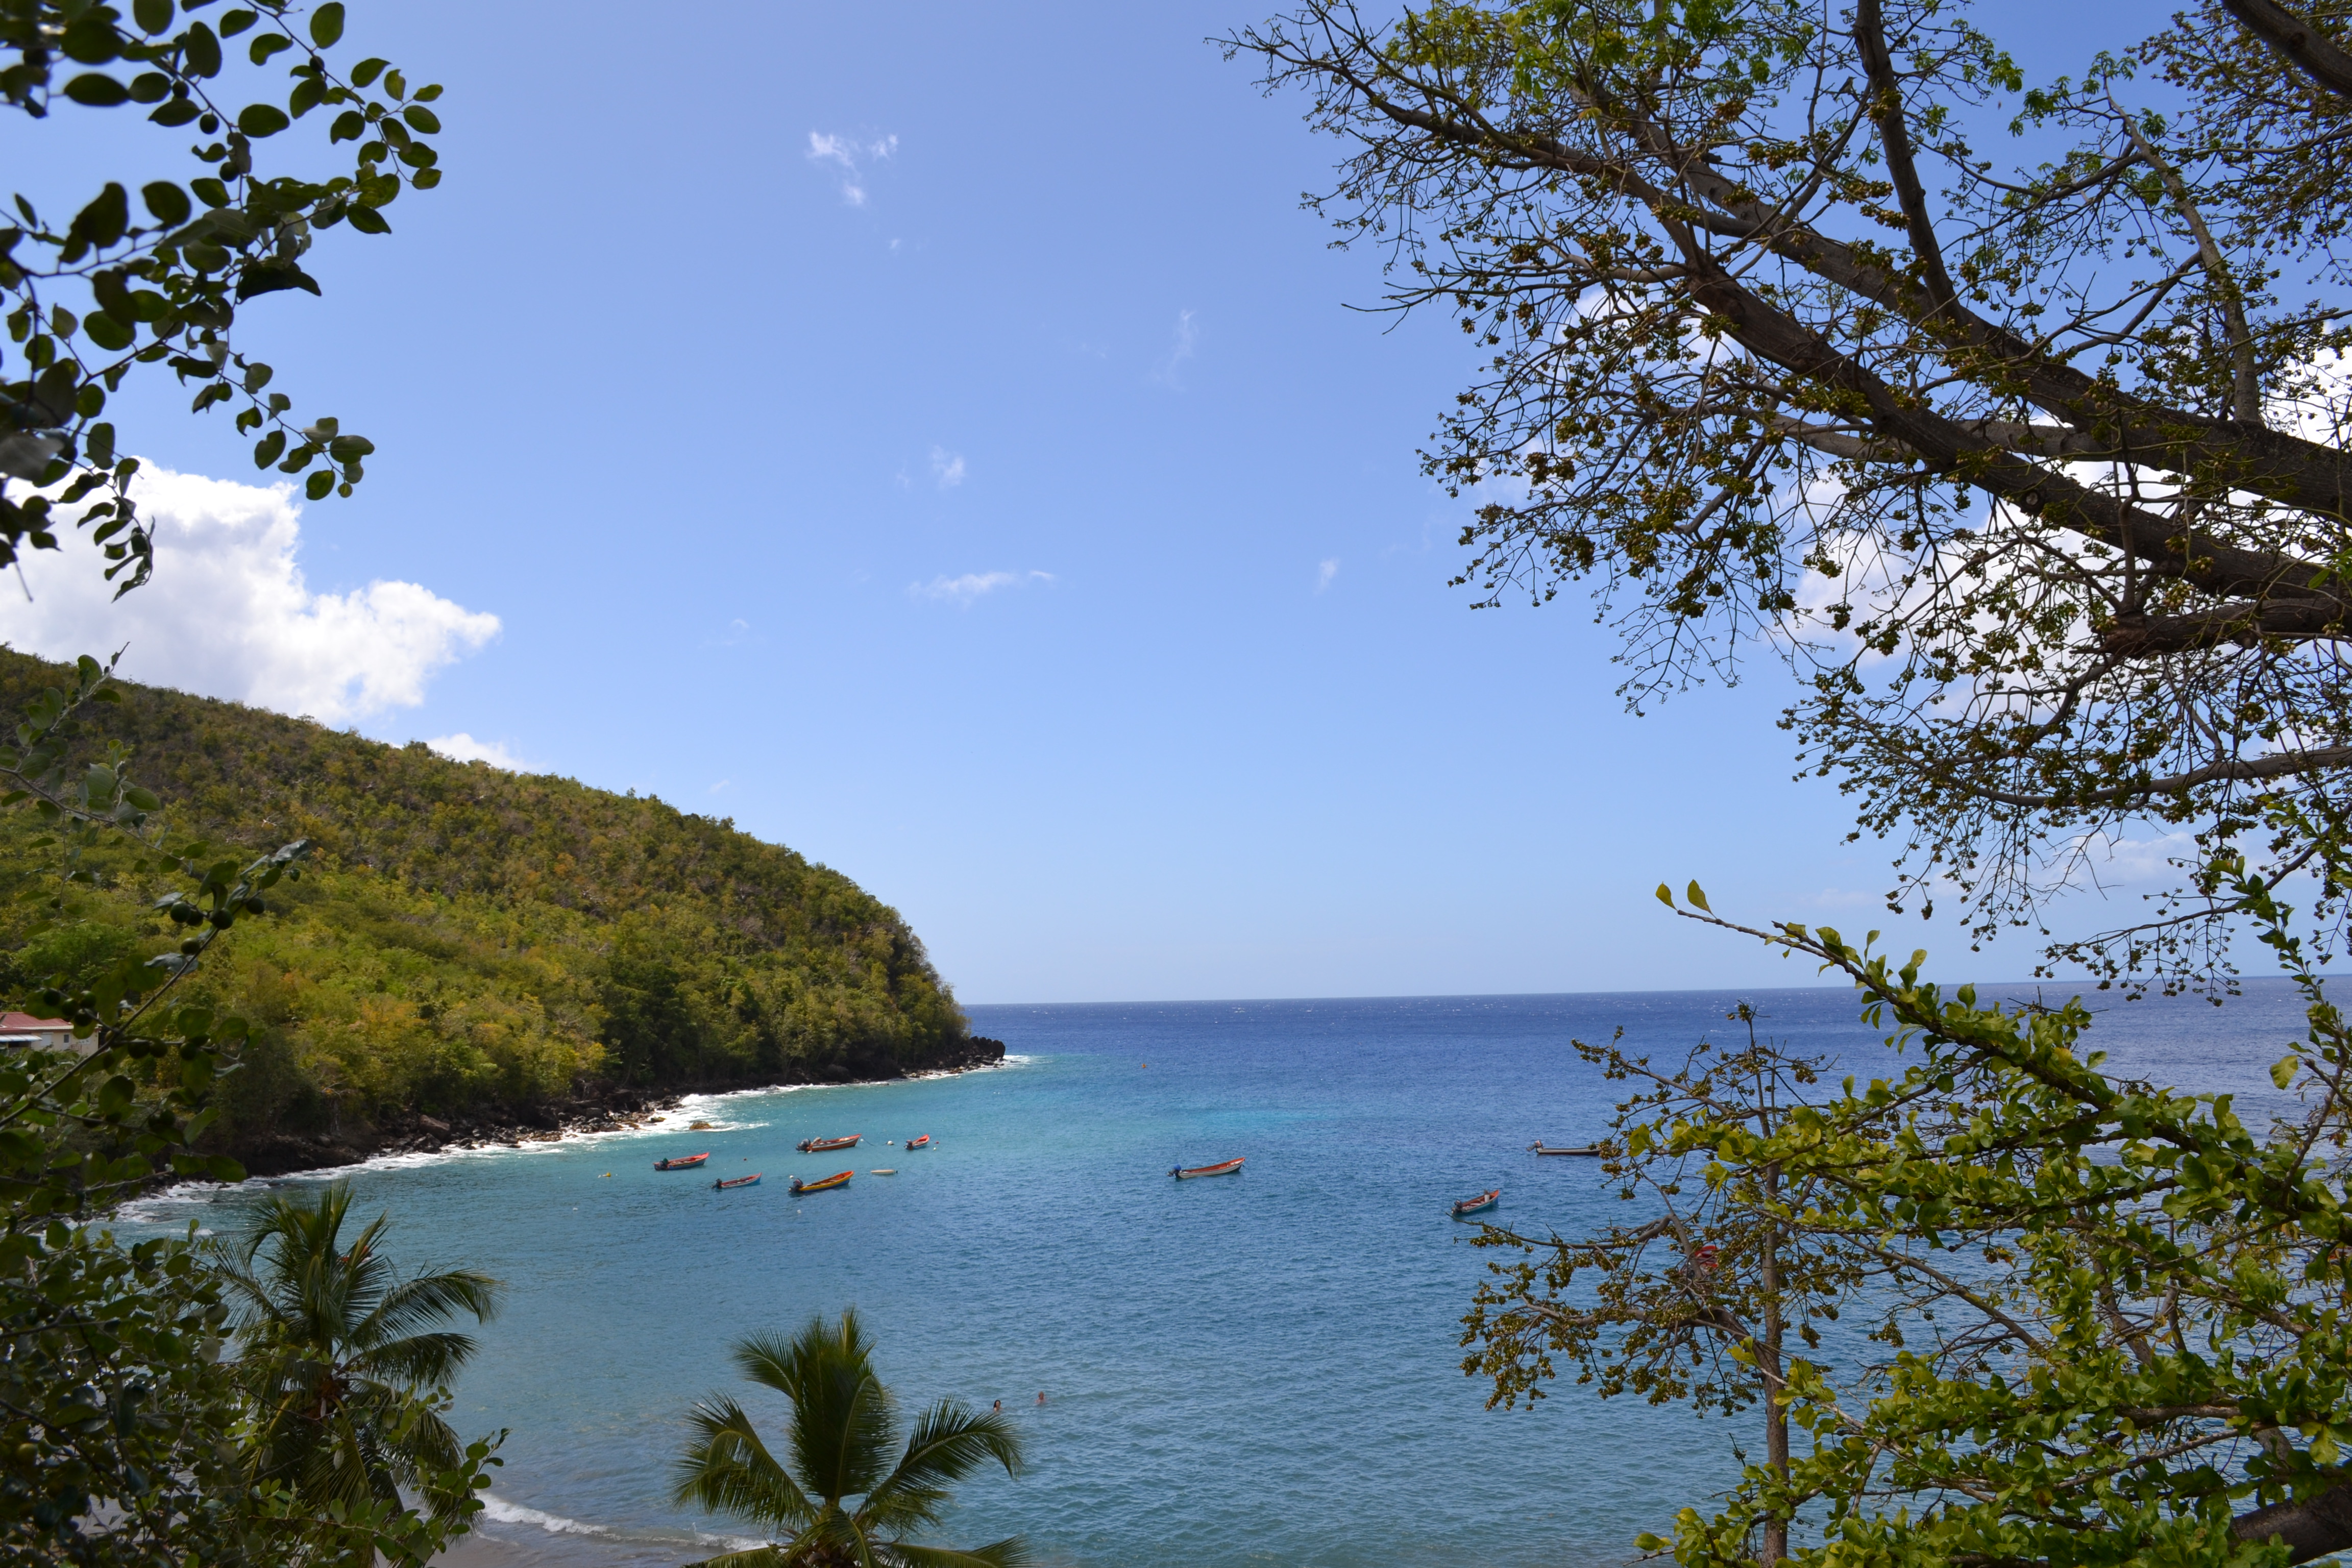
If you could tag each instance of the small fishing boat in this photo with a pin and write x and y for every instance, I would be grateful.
(1478, 1205)
(1590, 1151)
(922, 1142)
(1186, 1173)
(750, 1181)
(683, 1162)
(819, 1146)
(822, 1184)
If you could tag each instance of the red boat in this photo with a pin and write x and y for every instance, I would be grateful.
(750, 1181)
(1186, 1173)
(1479, 1204)
(822, 1184)
(819, 1146)
(683, 1162)
(922, 1142)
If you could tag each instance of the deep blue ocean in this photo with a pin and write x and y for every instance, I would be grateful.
(1261, 1369)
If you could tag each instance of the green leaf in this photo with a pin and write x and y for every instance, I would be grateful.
(266, 45)
(367, 70)
(96, 90)
(422, 119)
(102, 222)
(367, 220)
(166, 201)
(176, 112)
(235, 21)
(2282, 1070)
(91, 40)
(1696, 896)
(266, 450)
(209, 191)
(1664, 897)
(260, 119)
(107, 333)
(350, 126)
(152, 15)
(200, 49)
(349, 448)
(317, 486)
(327, 25)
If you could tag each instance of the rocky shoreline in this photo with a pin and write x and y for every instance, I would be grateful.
(592, 1107)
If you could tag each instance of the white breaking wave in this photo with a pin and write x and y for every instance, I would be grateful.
(497, 1508)
(155, 1209)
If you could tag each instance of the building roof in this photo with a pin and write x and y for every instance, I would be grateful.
(25, 1022)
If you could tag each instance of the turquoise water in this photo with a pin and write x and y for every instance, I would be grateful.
(1252, 1370)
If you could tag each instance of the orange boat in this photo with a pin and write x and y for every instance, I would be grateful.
(1186, 1173)
(819, 1146)
(823, 1184)
(683, 1162)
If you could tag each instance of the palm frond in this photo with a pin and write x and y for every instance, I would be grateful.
(729, 1469)
(841, 1413)
(420, 1361)
(416, 1303)
(1012, 1552)
(751, 1557)
(949, 1441)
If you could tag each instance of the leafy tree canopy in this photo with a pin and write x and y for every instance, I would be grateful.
(2016, 1307)
(119, 288)
(2037, 475)
(464, 939)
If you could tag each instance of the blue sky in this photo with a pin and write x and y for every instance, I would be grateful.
(934, 436)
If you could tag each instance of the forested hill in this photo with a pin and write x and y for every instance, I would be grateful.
(470, 942)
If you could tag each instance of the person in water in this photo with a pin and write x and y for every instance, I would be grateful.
(1040, 1396)
(999, 1407)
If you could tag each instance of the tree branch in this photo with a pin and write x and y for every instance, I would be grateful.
(2298, 43)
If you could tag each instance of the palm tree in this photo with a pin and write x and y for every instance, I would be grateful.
(339, 1358)
(839, 1442)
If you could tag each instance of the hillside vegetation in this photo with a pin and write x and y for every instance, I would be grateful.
(468, 942)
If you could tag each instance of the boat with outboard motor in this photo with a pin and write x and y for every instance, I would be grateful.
(1590, 1151)
(819, 1146)
(1227, 1168)
(750, 1181)
(1478, 1205)
(822, 1184)
(683, 1162)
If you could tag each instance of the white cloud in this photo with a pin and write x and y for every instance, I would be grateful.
(853, 157)
(946, 467)
(1325, 571)
(973, 585)
(1185, 338)
(463, 748)
(229, 614)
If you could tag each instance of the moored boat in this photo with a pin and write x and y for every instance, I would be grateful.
(750, 1181)
(1478, 1205)
(1186, 1173)
(884, 1171)
(822, 1184)
(1590, 1151)
(683, 1162)
(922, 1142)
(819, 1146)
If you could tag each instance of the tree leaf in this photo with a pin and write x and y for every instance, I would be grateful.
(260, 119)
(98, 89)
(327, 25)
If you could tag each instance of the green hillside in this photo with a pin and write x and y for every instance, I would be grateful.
(469, 942)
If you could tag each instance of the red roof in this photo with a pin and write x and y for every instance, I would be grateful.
(25, 1022)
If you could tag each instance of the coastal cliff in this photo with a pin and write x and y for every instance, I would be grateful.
(489, 954)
